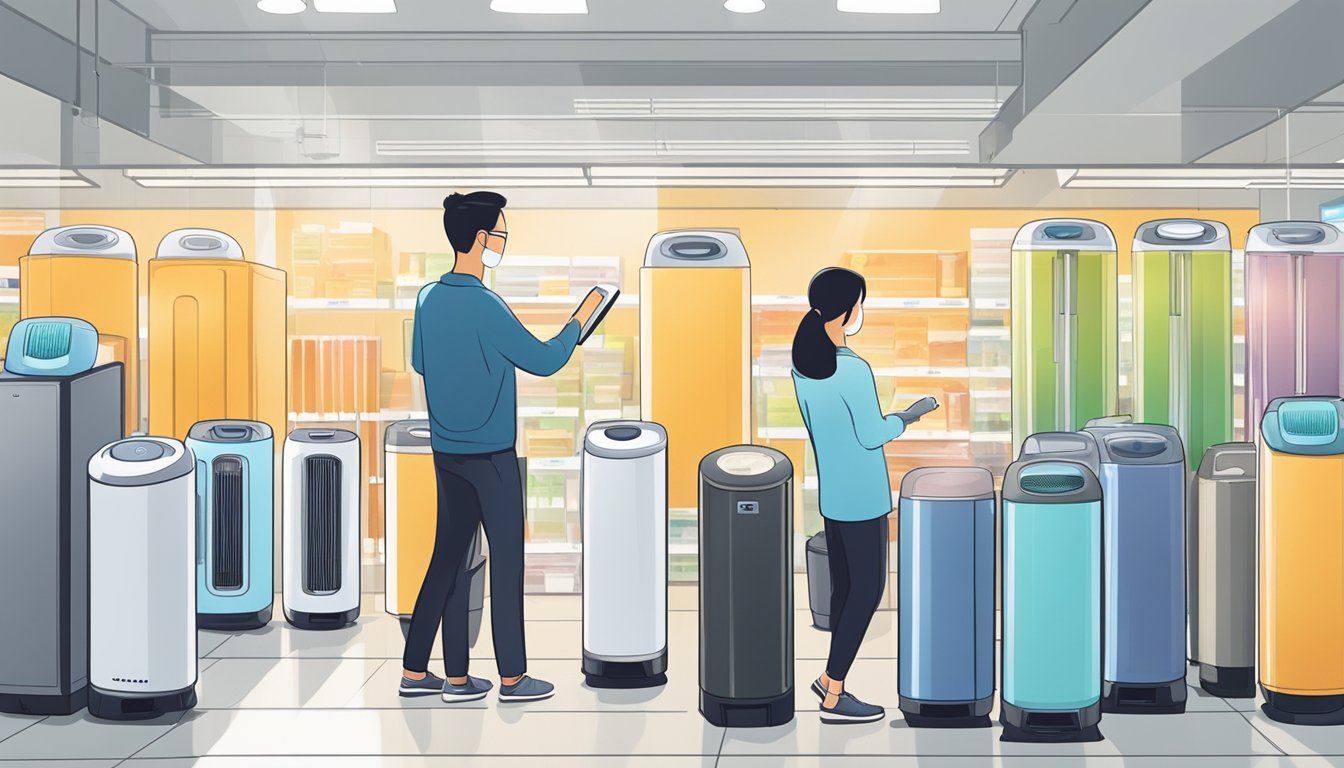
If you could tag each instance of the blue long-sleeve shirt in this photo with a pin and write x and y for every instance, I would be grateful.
(466, 344)
(848, 431)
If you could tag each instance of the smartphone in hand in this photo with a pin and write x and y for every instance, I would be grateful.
(918, 410)
(593, 308)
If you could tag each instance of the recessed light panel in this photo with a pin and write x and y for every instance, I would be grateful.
(745, 6)
(355, 6)
(889, 6)
(282, 7)
(539, 6)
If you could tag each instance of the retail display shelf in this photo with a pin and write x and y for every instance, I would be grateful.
(9, 299)
(325, 303)
(556, 464)
(593, 416)
(991, 437)
(872, 302)
(922, 435)
(992, 304)
(552, 548)
(541, 412)
(1002, 334)
(353, 416)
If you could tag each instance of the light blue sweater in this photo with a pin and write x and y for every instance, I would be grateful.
(848, 431)
(467, 344)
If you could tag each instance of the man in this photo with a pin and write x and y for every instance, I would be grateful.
(467, 344)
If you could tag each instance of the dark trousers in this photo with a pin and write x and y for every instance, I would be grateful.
(474, 490)
(857, 554)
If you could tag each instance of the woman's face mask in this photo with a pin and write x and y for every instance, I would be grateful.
(856, 323)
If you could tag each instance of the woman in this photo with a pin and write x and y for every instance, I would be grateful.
(838, 399)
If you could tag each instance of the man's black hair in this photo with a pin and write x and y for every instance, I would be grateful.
(466, 215)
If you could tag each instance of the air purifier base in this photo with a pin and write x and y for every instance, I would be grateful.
(747, 713)
(106, 705)
(321, 621)
(1144, 698)
(25, 704)
(601, 673)
(946, 714)
(231, 622)
(1053, 727)
(1228, 682)
(1303, 710)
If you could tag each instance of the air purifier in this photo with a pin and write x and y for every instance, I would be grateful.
(320, 528)
(1143, 483)
(819, 589)
(217, 335)
(1293, 316)
(746, 587)
(1221, 570)
(945, 611)
(695, 327)
(142, 586)
(411, 496)
(624, 526)
(1301, 560)
(1183, 330)
(235, 482)
(1064, 336)
(1052, 602)
(56, 411)
(89, 272)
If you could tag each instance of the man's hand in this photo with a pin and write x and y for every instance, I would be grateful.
(587, 308)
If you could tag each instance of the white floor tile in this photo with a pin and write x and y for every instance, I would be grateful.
(500, 730)
(81, 737)
(284, 683)
(12, 724)
(1298, 739)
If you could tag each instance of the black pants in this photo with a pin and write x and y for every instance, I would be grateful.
(479, 489)
(857, 554)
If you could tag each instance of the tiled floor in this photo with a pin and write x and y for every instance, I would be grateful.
(281, 697)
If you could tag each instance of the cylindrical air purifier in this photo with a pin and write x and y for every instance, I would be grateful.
(624, 524)
(746, 587)
(89, 272)
(235, 478)
(142, 579)
(320, 532)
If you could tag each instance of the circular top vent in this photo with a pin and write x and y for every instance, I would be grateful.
(746, 463)
(137, 450)
(1181, 230)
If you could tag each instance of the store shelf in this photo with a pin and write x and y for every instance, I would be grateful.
(537, 412)
(612, 414)
(991, 437)
(992, 304)
(781, 433)
(9, 300)
(362, 304)
(872, 302)
(335, 418)
(551, 548)
(559, 464)
(994, 372)
(1001, 334)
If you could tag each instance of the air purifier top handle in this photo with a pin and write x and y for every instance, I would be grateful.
(140, 461)
(1293, 237)
(1182, 234)
(198, 244)
(624, 439)
(1050, 481)
(1138, 444)
(1306, 426)
(1229, 460)
(1071, 446)
(323, 436)
(409, 436)
(948, 483)
(51, 346)
(84, 240)
(230, 431)
(1064, 234)
(696, 248)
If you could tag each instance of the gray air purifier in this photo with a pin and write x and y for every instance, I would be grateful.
(53, 420)
(819, 581)
(746, 587)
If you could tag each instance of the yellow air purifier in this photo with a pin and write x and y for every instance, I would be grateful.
(695, 348)
(89, 272)
(217, 335)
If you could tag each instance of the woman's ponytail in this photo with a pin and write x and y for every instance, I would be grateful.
(832, 293)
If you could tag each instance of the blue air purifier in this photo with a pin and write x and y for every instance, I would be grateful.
(946, 611)
(1052, 602)
(1143, 484)
(51, 346)
(235, 520)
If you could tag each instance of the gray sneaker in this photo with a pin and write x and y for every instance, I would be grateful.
(473, 690)
(850, 710)
(428, 685)
(527, 689)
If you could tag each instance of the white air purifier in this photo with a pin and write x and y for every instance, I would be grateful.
(320, 571)
(142, 579)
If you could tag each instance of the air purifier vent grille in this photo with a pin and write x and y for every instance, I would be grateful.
(1050, 483)
(321, 525)
(1309, 422)
(47, 341)
(227, 523)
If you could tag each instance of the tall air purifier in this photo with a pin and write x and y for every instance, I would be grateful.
(411, 502)
(89, 272)
(624, 525)
(1301, 559)
(320, 529)
(1221, 568)
(1293, 313)
(695, 327)
(1052, 602)
(235, 483)
(142, 586)
(1143, 484)
(746, 587)
(56, 411)
(946, 604)
(217, 342)
(1063, 326)
(1183, 330)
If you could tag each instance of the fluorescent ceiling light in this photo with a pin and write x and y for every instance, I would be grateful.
(888, 6)
(744, 6)
(1200, 178)
(796, 176)
(283, 7)
(789, 109)
(355, 6)
(729, 148)
(539, 6)
(42, 177)
(357, 177)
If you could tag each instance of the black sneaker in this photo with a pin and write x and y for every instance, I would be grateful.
(428, 685)
(850, 710)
